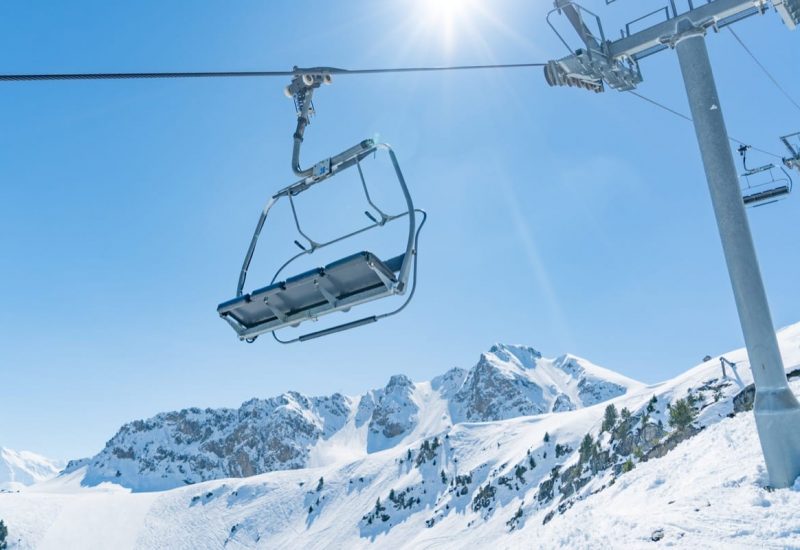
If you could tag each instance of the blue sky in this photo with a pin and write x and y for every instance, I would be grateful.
(565, 220)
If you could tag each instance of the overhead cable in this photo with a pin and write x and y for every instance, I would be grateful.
(237, 74)
(689, 119)
(766, 72)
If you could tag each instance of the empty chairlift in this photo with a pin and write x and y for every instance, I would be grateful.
(792, 143)
(764, 184)
(338, 286)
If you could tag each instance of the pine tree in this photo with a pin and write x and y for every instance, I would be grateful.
(651, 406)
(546, 437)
(610, 418)
(681, 414)
(3, 535)
(320, 484)
(587, 448)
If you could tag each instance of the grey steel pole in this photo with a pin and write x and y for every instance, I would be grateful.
(777, 411)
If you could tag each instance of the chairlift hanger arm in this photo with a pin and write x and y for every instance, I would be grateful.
(743, 152)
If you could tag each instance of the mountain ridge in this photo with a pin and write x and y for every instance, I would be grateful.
(292, 431)
(22, 468)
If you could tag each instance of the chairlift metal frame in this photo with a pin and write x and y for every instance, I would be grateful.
(761, 194)
(793, 160)
(351, 281)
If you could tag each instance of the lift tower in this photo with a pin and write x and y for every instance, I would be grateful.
(616, 63)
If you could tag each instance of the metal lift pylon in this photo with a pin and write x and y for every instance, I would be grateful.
(777, 410)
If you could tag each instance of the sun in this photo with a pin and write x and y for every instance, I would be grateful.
(446, 18)
(444, 9)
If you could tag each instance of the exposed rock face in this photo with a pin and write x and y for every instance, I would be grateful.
(563, 403)
(744, 400)
(394, 413)
(511, 381)
(493, 393)
(263, 435)
(193, 445)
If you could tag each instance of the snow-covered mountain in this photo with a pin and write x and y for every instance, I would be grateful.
(511, 381)
(21, 468)
(294, 431)
(676, 463)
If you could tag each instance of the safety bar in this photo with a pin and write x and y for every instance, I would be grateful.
(346, 159)
(343, 160)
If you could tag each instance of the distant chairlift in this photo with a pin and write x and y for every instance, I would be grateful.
(764, 184)
(792, 143)
(356, 279)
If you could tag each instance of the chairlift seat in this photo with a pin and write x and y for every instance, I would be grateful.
(767, 195)
(353, 280)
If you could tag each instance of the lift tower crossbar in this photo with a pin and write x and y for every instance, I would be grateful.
(777, 411)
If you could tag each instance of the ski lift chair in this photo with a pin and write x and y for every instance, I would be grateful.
(764, 184)
(338, 286)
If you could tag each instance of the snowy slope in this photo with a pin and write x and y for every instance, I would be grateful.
(20, 468)
(512, 483)
(295, 431)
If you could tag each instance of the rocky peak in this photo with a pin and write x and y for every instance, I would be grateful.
(399, 383)
(394, 413)
(523, 356)
(492, 391)
(512, 380)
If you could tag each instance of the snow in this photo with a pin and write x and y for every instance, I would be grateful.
(21, 468)
(708, 492)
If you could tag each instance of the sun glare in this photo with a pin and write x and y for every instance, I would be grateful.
(446, 18)
(444, 9)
